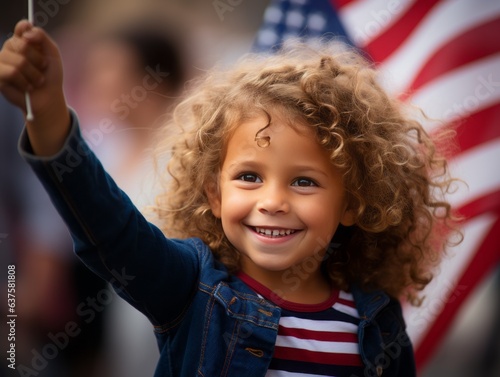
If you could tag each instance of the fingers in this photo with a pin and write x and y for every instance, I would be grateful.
(30, 62)
(35, 35)
(21, 27)
(19, 71)
(26, 34)
(24, 29)
(25, 48)
(22, 63)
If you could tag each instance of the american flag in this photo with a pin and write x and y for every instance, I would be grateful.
(444, 56)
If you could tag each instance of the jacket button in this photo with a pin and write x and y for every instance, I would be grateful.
(255, 351)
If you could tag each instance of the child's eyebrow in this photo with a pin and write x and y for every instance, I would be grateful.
(248, 164)
(299, 168)
(308, 168)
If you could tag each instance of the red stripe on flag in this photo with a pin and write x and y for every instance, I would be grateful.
(337, 4)
(465, 48)
(390, 40)
(484, 261)
(486, 203)
(478, 128)
(327, 358)
(318, 335)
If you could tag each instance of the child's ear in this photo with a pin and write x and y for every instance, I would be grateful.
(348, 217)
(213, 196)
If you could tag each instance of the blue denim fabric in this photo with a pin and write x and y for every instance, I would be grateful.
(207, 322)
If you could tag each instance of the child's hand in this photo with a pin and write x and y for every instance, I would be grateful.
(30, 61)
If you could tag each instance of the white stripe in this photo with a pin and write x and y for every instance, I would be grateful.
(353, 312)
(447, 20)
(317, 345)
(438, 292)
(364, 20)
(460, 92)
(284, 373)
(478, 167)
(346, 296)
(318, 325)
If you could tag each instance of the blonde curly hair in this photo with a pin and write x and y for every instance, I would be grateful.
(395, 179)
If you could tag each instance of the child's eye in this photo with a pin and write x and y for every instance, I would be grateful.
(248, 177)
(304, 182)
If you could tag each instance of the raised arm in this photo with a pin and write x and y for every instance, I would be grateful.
(153, 273)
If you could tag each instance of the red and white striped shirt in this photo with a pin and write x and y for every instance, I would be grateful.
(314, 340)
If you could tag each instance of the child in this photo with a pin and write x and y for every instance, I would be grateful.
(276, 157)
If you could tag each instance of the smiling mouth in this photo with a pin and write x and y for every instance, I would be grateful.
(274, 232)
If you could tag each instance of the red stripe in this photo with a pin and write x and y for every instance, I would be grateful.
(478, 128)
(485, 260)
(390, 40)
(284, 304)
(318, 335)
(295, 354)
(465, 48)
(337, 4)
(486, 203)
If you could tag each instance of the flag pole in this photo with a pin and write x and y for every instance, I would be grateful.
(29, 111)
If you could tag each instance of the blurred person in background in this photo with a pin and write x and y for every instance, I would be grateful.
(131, 78)
(132, 75)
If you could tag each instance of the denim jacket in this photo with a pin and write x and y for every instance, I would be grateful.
(207, 322)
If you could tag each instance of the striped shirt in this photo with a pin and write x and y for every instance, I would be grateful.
(314, 340)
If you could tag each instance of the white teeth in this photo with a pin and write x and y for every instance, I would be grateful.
(274, 232)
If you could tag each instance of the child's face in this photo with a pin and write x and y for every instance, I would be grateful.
(282, 203)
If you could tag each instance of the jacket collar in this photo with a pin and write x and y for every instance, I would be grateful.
(369, 304)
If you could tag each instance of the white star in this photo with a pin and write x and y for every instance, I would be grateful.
(294, 19)
(316, 21)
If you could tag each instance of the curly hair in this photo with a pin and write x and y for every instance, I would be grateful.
(394, 177)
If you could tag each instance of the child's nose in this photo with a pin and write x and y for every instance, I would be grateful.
(274, 201)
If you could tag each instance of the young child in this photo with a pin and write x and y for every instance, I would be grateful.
(304, 200)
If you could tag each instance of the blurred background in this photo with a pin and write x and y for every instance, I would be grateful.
(126, 63)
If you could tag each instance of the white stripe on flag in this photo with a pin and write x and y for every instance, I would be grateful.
(364, 20)
(461, 92)
(438, 292)
(478, 167)
(448, 20)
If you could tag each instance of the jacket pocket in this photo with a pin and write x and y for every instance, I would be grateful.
(239, 334)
